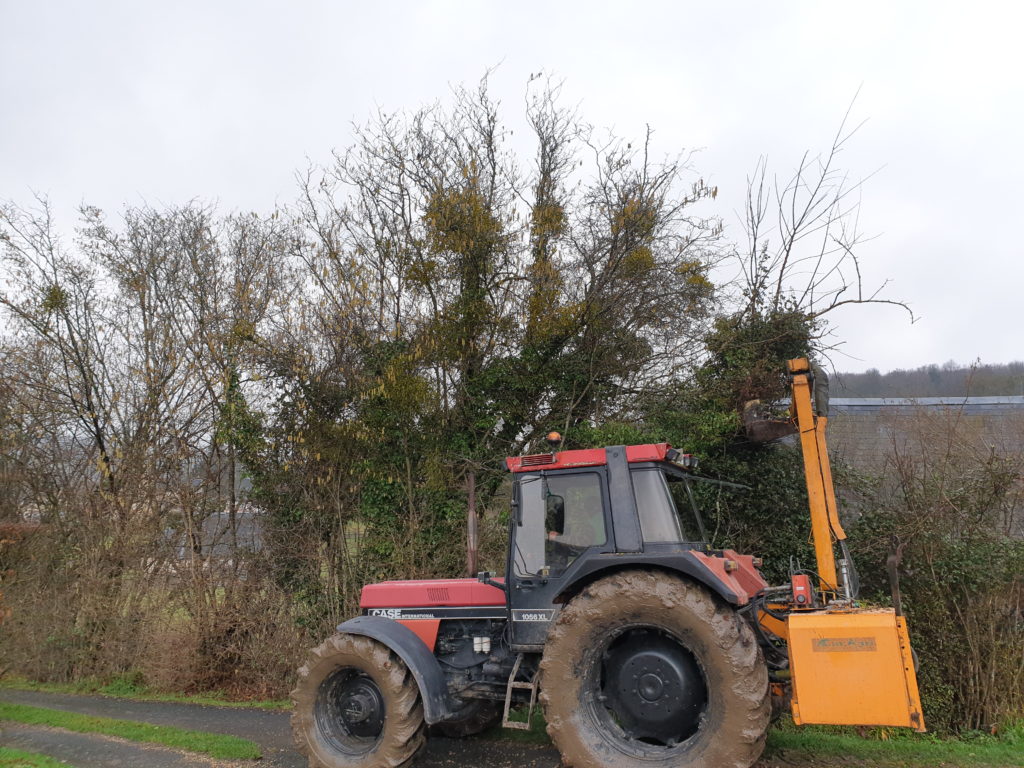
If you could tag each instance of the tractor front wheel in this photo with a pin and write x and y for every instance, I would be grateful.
(643, 668)
(356, 706)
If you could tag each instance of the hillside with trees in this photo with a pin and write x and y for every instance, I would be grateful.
(946, 380)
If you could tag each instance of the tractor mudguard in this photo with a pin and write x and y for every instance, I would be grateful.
(437, 705)
(706, 570)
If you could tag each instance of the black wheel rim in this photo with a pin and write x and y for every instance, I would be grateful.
(350, 711)
(649, 690)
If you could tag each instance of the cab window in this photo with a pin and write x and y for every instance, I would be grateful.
(562, 516)
(658, 518)
(663, 505)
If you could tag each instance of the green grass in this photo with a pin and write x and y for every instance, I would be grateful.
(16, 758)
(126, 689)
(537, 734)
(900, 748)
(213, 744)
(884, 747)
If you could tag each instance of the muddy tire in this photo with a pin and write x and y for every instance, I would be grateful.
(477, 717)
(645, 669)
(356, 705)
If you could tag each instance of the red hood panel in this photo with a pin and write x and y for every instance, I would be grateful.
(462, 593)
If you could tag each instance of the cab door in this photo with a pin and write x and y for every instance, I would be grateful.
(558, 518)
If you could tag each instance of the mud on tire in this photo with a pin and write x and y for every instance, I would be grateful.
(356, 704)
(697, 666)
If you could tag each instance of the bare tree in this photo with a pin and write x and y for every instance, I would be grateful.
(804, 238)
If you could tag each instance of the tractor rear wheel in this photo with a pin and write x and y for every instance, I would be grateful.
(643, 668)
(356, 704)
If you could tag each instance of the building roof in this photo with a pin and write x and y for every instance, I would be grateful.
(969, 404)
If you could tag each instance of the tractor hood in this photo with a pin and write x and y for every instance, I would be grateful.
(463, 593)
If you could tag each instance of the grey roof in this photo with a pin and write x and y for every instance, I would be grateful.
(1000, 404)
(1013, 400)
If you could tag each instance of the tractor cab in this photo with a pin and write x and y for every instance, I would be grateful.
(577, 515)
(562, 506)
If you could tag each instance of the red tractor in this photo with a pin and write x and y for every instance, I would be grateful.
(644, 646)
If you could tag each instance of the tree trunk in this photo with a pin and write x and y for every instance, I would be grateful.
(471, 525)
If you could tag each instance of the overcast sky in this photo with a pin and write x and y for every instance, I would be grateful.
(111, 103)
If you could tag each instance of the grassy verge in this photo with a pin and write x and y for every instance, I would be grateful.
(16, 758)
(886, 747)
(903, 749)
(213, 744)
(123, 689)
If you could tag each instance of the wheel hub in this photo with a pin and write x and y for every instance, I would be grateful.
(652, 687)
(362, 708)
(349, 711)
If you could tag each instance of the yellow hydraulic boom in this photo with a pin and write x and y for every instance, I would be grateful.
(825, 526)
(848, 665)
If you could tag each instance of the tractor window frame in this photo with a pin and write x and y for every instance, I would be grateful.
(524, 556)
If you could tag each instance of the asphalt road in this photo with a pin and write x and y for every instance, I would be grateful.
(268, 729)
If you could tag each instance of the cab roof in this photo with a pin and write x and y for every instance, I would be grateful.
(588, 457)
